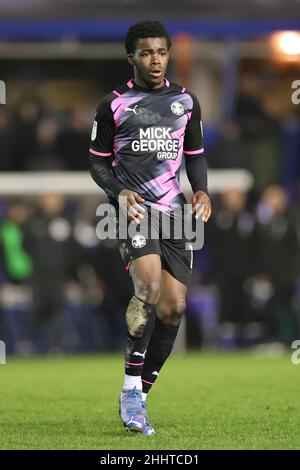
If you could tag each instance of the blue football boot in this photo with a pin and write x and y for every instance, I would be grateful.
(131, 411)
(148, 429)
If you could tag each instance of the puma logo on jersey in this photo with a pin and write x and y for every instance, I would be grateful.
(136, 353)
(132, 109)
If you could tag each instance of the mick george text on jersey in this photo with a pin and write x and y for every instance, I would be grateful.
(157, 139)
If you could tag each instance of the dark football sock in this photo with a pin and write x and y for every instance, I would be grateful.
(140, 318)
(159, 349)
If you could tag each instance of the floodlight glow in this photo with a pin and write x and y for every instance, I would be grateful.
(289, 42)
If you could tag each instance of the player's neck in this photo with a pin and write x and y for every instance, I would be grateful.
(142, 84)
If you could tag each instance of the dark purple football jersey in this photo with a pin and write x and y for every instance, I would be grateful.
(146, 133)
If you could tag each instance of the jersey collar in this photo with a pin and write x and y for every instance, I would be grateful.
(131, 84)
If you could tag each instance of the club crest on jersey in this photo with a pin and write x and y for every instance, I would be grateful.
(94, 131)
(177, 108)
(138, 241)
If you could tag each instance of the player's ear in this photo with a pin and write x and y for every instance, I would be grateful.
(130, 59)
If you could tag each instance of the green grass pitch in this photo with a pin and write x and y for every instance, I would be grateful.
(226, 401)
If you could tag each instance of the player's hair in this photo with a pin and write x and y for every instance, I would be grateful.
(145, 29)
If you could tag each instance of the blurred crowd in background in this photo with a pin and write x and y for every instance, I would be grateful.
(35, 137)
(62, 289)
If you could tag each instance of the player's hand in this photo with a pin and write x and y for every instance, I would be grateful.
(201, 206)
(129, 204)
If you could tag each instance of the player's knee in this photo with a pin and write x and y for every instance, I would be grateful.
(148, 291)
(172, 313)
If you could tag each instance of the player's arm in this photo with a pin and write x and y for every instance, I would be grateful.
(101, 151)
(195, 164)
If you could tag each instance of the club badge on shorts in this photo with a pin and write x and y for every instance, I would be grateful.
(138, 241)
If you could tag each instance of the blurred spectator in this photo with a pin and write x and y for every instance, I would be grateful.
(231, 151)
(255, 112)
(16, 262)
(29, 112)
(231, 238)
(261, 131)
(73, 142)
(55, 255)
(16, 270)
(277, 257)
(7, 162)
(43, 156)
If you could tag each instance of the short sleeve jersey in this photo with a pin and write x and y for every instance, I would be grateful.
(146, 133)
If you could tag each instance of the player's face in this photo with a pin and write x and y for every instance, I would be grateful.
(150, 62)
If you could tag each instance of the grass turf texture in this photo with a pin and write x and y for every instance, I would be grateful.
(199, 402)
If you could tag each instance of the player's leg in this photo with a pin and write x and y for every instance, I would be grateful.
(170, 308)
(140, 315)
(145, 272)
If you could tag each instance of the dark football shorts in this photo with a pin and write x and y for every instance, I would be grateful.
(158, 234)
